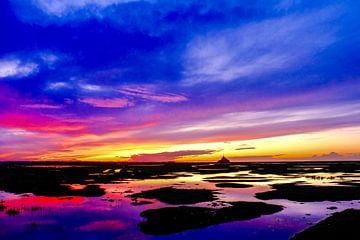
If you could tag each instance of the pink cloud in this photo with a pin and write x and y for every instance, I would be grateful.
(148, 94)
(41, 106)
(108, 102)
(38, 123)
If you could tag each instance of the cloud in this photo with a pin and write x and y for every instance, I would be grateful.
(24, 64)
(245, 125)
(139, 12)
(38, 123)
(167, 156)
(73, 84)
(245, 147)
(41, 106)
(108, 102)
(10, 68)
(92, 87)
(258, 48)
(148, 94)
(59, 85)
(18, 144)
(49, 58)
(249, 119)
(63, 7)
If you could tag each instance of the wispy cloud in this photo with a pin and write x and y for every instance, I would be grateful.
(49, 58)
(64, 7)
(258, 48)
(148, 94)
(41, 106)
(92, 87)
(38, 123)
(256, 124)
(59, 85)
(73, 83)
(108, 102)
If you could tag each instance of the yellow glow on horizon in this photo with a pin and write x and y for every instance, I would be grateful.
(343, 140)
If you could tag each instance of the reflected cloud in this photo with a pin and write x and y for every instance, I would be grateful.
(103, 226)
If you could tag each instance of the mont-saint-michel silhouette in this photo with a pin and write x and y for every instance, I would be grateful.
(223, 160)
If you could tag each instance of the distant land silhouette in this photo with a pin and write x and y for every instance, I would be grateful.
(223, 160)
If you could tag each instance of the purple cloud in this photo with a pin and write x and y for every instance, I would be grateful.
(147, 93)
(107, 102)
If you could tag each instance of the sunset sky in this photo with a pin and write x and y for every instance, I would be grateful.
(161, 80)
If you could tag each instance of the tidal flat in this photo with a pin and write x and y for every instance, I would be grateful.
(176, 200)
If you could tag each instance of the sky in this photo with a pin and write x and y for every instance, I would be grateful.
(161, 80)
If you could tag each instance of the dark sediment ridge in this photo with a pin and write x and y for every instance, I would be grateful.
(309, 193)
(177, 219)
(342, 225)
